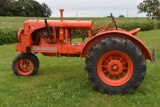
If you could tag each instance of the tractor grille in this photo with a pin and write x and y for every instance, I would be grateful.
(24, 40)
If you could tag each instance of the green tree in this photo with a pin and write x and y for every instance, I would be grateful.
(121, 16)
(46, 10)
(37, 8)
(4, 10)
(29, 8)
(151, 7)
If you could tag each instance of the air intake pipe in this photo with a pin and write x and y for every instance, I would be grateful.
(61, 14)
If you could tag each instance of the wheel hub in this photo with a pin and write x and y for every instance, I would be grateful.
(25, 66)
(115, 67)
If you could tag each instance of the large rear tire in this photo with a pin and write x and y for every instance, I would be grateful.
(115, 66)
(25, 65)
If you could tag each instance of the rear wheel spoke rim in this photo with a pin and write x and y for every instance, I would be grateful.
(119, 67)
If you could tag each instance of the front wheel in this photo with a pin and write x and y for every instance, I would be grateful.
(115, 66)
(25, 65)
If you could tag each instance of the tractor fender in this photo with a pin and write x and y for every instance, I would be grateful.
(116, 33)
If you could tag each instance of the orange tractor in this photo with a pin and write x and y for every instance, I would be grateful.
(115, 58)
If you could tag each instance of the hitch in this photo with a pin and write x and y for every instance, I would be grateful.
(154, 54)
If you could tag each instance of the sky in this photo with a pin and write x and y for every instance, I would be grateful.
(94, 8)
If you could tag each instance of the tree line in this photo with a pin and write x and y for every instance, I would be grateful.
(25, 8)
(151, 7)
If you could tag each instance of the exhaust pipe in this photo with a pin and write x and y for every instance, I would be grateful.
(61, 14)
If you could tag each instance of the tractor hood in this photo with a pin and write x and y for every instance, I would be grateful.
(76, 24)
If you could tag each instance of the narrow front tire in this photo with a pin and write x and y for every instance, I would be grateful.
(25, 65)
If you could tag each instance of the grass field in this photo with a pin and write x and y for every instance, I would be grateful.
(62, 82)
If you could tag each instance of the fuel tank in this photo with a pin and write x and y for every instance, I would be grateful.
(75, 24)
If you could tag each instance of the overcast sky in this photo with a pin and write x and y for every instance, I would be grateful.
(94, 8)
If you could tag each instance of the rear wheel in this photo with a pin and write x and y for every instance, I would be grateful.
(115, 66)
(25, 64)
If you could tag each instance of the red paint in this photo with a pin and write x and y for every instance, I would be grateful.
(115, 68)
(33, 37)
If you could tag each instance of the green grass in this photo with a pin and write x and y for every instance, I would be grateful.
(63, 82)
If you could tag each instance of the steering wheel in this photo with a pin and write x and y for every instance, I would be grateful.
(113, 21)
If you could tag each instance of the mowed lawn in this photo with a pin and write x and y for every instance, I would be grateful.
(62, 82)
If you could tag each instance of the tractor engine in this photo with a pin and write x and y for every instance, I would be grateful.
(55, 33)
(39, 34)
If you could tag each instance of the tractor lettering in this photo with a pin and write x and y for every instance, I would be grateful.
(44, 49)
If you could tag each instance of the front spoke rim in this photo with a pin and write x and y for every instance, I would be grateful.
(24, 66)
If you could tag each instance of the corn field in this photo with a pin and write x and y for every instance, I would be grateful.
(9, 25)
